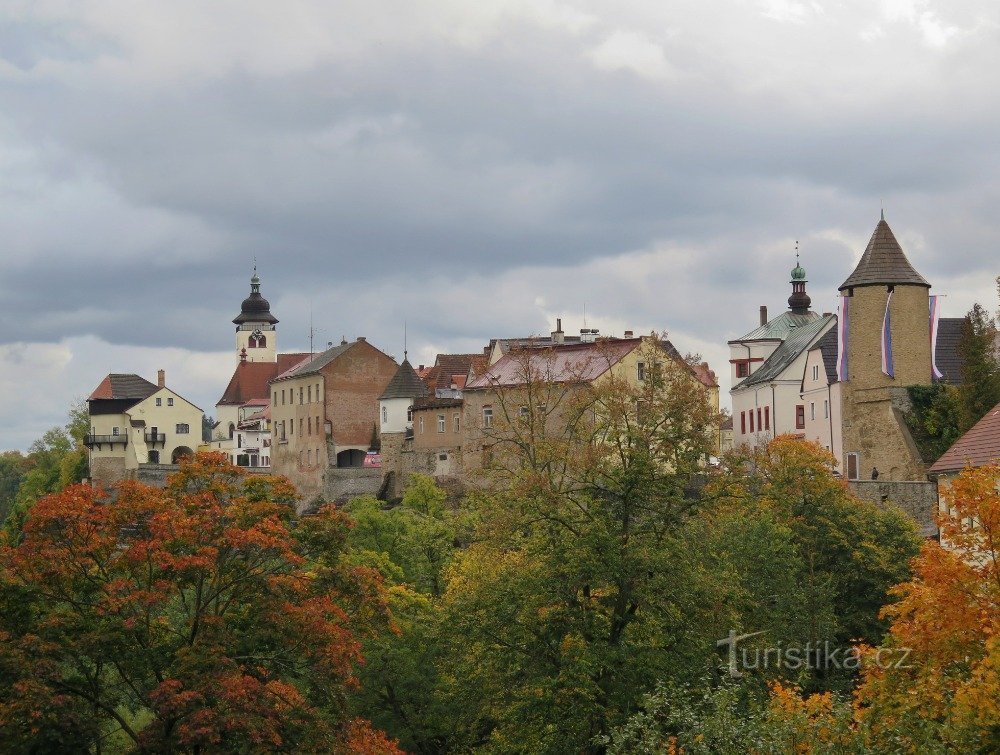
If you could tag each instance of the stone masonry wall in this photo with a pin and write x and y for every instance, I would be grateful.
(918, 499)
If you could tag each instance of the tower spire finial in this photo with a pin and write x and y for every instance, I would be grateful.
(405, 352)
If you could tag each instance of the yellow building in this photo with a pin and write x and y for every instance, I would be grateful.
(135, 422)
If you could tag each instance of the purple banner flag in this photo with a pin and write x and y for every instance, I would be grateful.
(935, 313)
(842, 339)
(887, 342)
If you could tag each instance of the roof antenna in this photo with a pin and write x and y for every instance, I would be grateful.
(585, 314)
(311, 330)
(796, 252)
(405, 352)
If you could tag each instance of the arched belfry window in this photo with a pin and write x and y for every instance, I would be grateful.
(257, 340)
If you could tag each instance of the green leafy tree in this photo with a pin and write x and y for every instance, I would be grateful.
(936, 419)
(980, 388)
(13, 467)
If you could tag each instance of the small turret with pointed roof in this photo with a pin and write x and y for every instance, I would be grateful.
(883, 263)
(406, 383)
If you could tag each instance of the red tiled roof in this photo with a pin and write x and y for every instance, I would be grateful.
(250, 379)
(978, 447)
(449, 369)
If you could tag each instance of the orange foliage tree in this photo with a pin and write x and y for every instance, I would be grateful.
(947, 693)
(192, 618)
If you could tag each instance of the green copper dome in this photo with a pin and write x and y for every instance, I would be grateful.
(798, 273)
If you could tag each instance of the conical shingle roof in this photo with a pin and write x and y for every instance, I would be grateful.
(406, 383)
(884, 263)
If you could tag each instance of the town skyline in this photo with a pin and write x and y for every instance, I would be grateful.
(474, 171)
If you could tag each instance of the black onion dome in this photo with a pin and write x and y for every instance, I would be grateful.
(255, 308)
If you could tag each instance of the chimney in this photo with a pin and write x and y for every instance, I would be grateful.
(161, 378)
(362, 338)
(827, 314)
(629, 334)
(420, 368)
(557, 335)
(763, 314)
(329, 344)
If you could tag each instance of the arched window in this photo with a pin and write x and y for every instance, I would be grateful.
(232, 430)
(257, 340)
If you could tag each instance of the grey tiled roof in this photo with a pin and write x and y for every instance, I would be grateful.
(948, 360)
(316, 364)
(406, 383)
(828, 347)
(778, 328)
(798, 341)
(883, 263)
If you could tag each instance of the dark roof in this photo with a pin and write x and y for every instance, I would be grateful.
(429, 402)
(979, 446)
(250, 379)
(947, 358)
(255, 308)
(316, 363)
(827, 344)
(124, 387)
(883, 263)
(778, 328)
(406, 383)
(797, 341)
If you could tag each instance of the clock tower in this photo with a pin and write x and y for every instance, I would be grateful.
(255, 333)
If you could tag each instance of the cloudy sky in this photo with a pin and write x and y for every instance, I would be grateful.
(475, 168)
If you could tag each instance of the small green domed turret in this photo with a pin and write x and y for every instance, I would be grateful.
(798, 272)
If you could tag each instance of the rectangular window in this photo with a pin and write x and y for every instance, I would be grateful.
(743, 423)
(170, 402)
(640, 371)
(309, 456)
(760, 425)
(767, 418)
(458, 423)
(301, 393)
(742, 369)
(421, 423)
(812, 410)
(317, 391)
(317, 424)
(751, 420)
(275, 399)
(309, 394)
(385, 415)
(159, 402)
(409, 414)
(488, 417)
(800, 417)
(310, 426)
(440, 423)
(291, 427)
(282, 396)
(853, 465)
(114, 431)
(183, 429)
(523, 412)
(826, 409)
(815, 372)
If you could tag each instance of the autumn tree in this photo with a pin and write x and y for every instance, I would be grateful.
(190, 619)
(946, 697)
(575, 594)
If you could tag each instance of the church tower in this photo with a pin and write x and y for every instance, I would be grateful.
(799, 302)
(887, 349)
(256, 337)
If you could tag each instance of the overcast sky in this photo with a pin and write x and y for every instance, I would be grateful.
(475, 168)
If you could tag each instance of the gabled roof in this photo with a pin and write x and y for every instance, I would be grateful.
(947, 358)
(250, 379)
(406, 383)
(827, 346)
(883, 263)
(778, 328)
(309, 366)
(566, 363)
(451, 368)
(978, 447)
(123, 387)
(782, 357)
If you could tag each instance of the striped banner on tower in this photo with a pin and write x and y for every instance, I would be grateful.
(887, 342)
(842, 339)
(935, 314)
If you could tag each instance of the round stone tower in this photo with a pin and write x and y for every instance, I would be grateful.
(875, 436)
